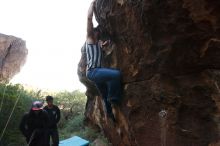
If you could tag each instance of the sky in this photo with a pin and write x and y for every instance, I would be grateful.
(54, 31)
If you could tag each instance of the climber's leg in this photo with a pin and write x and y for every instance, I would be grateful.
(114, 87)
(111, 77)
(103, 91)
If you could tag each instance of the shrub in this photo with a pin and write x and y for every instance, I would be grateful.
(75, 127)
(12, 135)
(71, 104)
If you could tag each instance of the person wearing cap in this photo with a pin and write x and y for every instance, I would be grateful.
(107, 80)
(54, 116)
(34, 125)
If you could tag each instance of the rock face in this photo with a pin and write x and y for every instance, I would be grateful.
(13, 54)
(168, 53)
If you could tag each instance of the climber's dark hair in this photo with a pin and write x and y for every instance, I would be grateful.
(102, 35)
(97, 29)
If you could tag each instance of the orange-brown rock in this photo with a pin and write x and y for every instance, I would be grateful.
(168, 52)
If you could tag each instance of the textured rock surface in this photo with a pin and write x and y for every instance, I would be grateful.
(168, 52)
(13, 54)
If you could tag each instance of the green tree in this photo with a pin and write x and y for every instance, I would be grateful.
(70, 103)
(10, 96)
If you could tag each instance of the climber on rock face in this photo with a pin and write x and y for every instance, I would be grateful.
(107, 80)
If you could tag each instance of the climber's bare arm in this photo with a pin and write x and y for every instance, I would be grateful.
(90, 34)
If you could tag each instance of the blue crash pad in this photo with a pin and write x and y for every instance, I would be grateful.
(74, 141)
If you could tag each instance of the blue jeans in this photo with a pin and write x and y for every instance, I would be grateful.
(108, 81)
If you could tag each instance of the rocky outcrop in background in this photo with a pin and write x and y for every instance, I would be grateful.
(13, 54)
(168, 53)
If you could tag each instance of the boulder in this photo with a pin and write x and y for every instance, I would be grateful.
(168, 53)
(13, 54)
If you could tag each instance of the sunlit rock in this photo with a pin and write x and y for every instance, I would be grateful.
(13, 54)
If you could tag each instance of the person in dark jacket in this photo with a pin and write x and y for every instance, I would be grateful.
(34, 125)
(54, 116)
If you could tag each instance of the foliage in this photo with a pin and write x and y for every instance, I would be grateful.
(72, 106)
(8, 96)
(70, 103)
(72, 123)
(75, 127)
